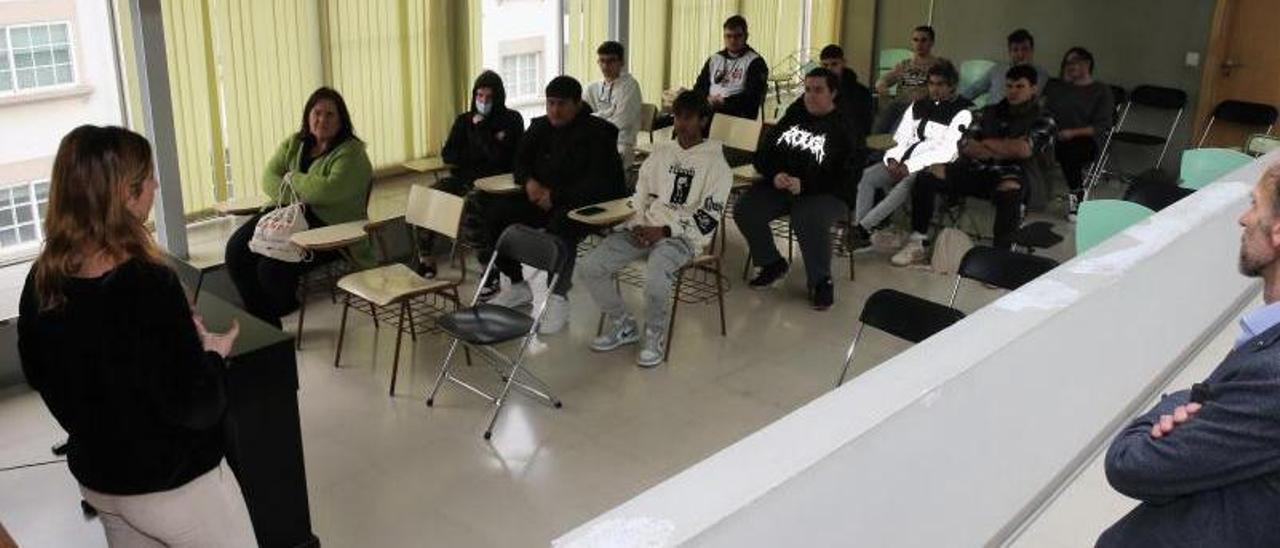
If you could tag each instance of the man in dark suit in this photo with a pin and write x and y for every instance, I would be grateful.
(1205, 462)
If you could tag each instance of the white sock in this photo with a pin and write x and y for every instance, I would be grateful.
(918, 237)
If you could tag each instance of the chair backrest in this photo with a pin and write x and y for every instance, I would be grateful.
(1003, 268)
(906, 316)
(890, 58)
(735, 132)
(1201, 166)
(973, 70)
(532, 247)
(1259, 144)
(434, 210)
(648, 112)
(1159, 97)
(1245, 113)
(1118, 98)
(1155, 195)
(1098, 220)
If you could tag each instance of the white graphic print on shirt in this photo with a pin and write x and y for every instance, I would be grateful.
(682, 181)
(800, 139)
(729, 75)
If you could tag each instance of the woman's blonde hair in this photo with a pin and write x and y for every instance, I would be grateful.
(96, 171)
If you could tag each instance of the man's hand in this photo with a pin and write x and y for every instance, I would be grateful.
(219, 343)
(716, 99)
(477, 118)
(645, 236)
(1167, 423)
(538, 194)
(783, 181)
(976, 150)
(897, 170)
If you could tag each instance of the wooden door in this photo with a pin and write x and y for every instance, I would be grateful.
(1243, 63)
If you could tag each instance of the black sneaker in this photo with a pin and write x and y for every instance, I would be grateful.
(491, 287)
(769, 275)
(857, 239)
(823, 295)
(427, 271)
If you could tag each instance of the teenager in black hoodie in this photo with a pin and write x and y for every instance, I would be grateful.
(736, 78)
(483, 139)
(804, 163)
(567, 159)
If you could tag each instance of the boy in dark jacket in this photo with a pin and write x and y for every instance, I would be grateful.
(567, 159)
(804, 163)
(736, 78)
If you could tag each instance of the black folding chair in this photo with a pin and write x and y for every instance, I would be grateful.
(483, 325)
(1155, 195)
(1146, 97)
(1000, 267)
(1245, 113)
(904, 316)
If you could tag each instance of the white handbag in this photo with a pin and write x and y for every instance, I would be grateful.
(271, 235)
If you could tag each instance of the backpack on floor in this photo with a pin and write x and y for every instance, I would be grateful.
(948, 249)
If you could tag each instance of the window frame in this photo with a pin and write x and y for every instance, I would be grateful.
(517, 77)
(24, 248)
(72, 60)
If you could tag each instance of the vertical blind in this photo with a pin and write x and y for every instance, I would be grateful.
(586, 26)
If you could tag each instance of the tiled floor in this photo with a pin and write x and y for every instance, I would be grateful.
(386, 471)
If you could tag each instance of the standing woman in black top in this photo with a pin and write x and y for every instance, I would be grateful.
(108, 339)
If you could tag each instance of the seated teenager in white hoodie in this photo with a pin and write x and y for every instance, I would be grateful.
(928, 134)
(679, 200)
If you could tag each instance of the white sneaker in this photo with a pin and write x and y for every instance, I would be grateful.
(557, 315)
(513, 296)
(1073, 206)
(653, 351)
(910, 254)
(618, 332)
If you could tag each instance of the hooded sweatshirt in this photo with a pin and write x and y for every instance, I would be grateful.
(817, 149)
(930, 133)
(742, 80)
(578, 161)
(479, 150)
(684, 190)
(619, 103)
(853, 99)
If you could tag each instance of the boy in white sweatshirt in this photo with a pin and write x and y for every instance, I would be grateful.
(616, 98)
(679, 202)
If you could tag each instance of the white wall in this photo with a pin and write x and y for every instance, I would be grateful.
(955, 441)
(33, 130)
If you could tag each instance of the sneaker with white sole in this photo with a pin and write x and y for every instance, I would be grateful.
(557, 315)
(618, 332)
(1073, 206)
(653, 351)
(912, 253)
(514, 295)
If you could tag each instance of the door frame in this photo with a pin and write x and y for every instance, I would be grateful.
(1212, 63)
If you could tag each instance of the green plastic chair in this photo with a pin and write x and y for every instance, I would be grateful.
(1098, 220)
(1261, 143)
(971, 71)
(890, 58)
(1201, 166)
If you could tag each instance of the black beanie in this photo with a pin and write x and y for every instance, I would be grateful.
(564, 87)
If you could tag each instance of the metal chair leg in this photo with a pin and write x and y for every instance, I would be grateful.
(848, 357)
(302, 315)
(720, 297)
(444, 370)
(395, 362)
(342, 330)
(671, 321)
(413, 329)
(195, 296)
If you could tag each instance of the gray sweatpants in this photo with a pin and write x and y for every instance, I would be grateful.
(665, 257)
(868, 213)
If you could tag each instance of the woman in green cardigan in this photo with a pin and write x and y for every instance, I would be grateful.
(331, 173)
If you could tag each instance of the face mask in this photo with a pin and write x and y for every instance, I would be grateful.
(483, 108)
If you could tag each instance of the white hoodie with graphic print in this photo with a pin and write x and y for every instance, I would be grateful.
(684, 189)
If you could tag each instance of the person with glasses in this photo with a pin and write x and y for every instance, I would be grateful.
(736, 78)
(616, 98)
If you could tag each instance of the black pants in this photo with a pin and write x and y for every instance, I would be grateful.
(497, 212)
(811, 219)
(963, 180)
(1074, 156)
(268, 287)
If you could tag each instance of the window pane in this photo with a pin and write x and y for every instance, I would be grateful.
(42, 190)
(22, 60)
(27, 233)
(6, 218)
(4, 60)
(20, 38)
(21, 195)
(26, 78)
(23, 214)
(42, 57)
(4, 198)
(58, 34)
(64, 74)
(45, 77)
(6, 80)
(62, 55)
(40, 36)
(8, 237)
